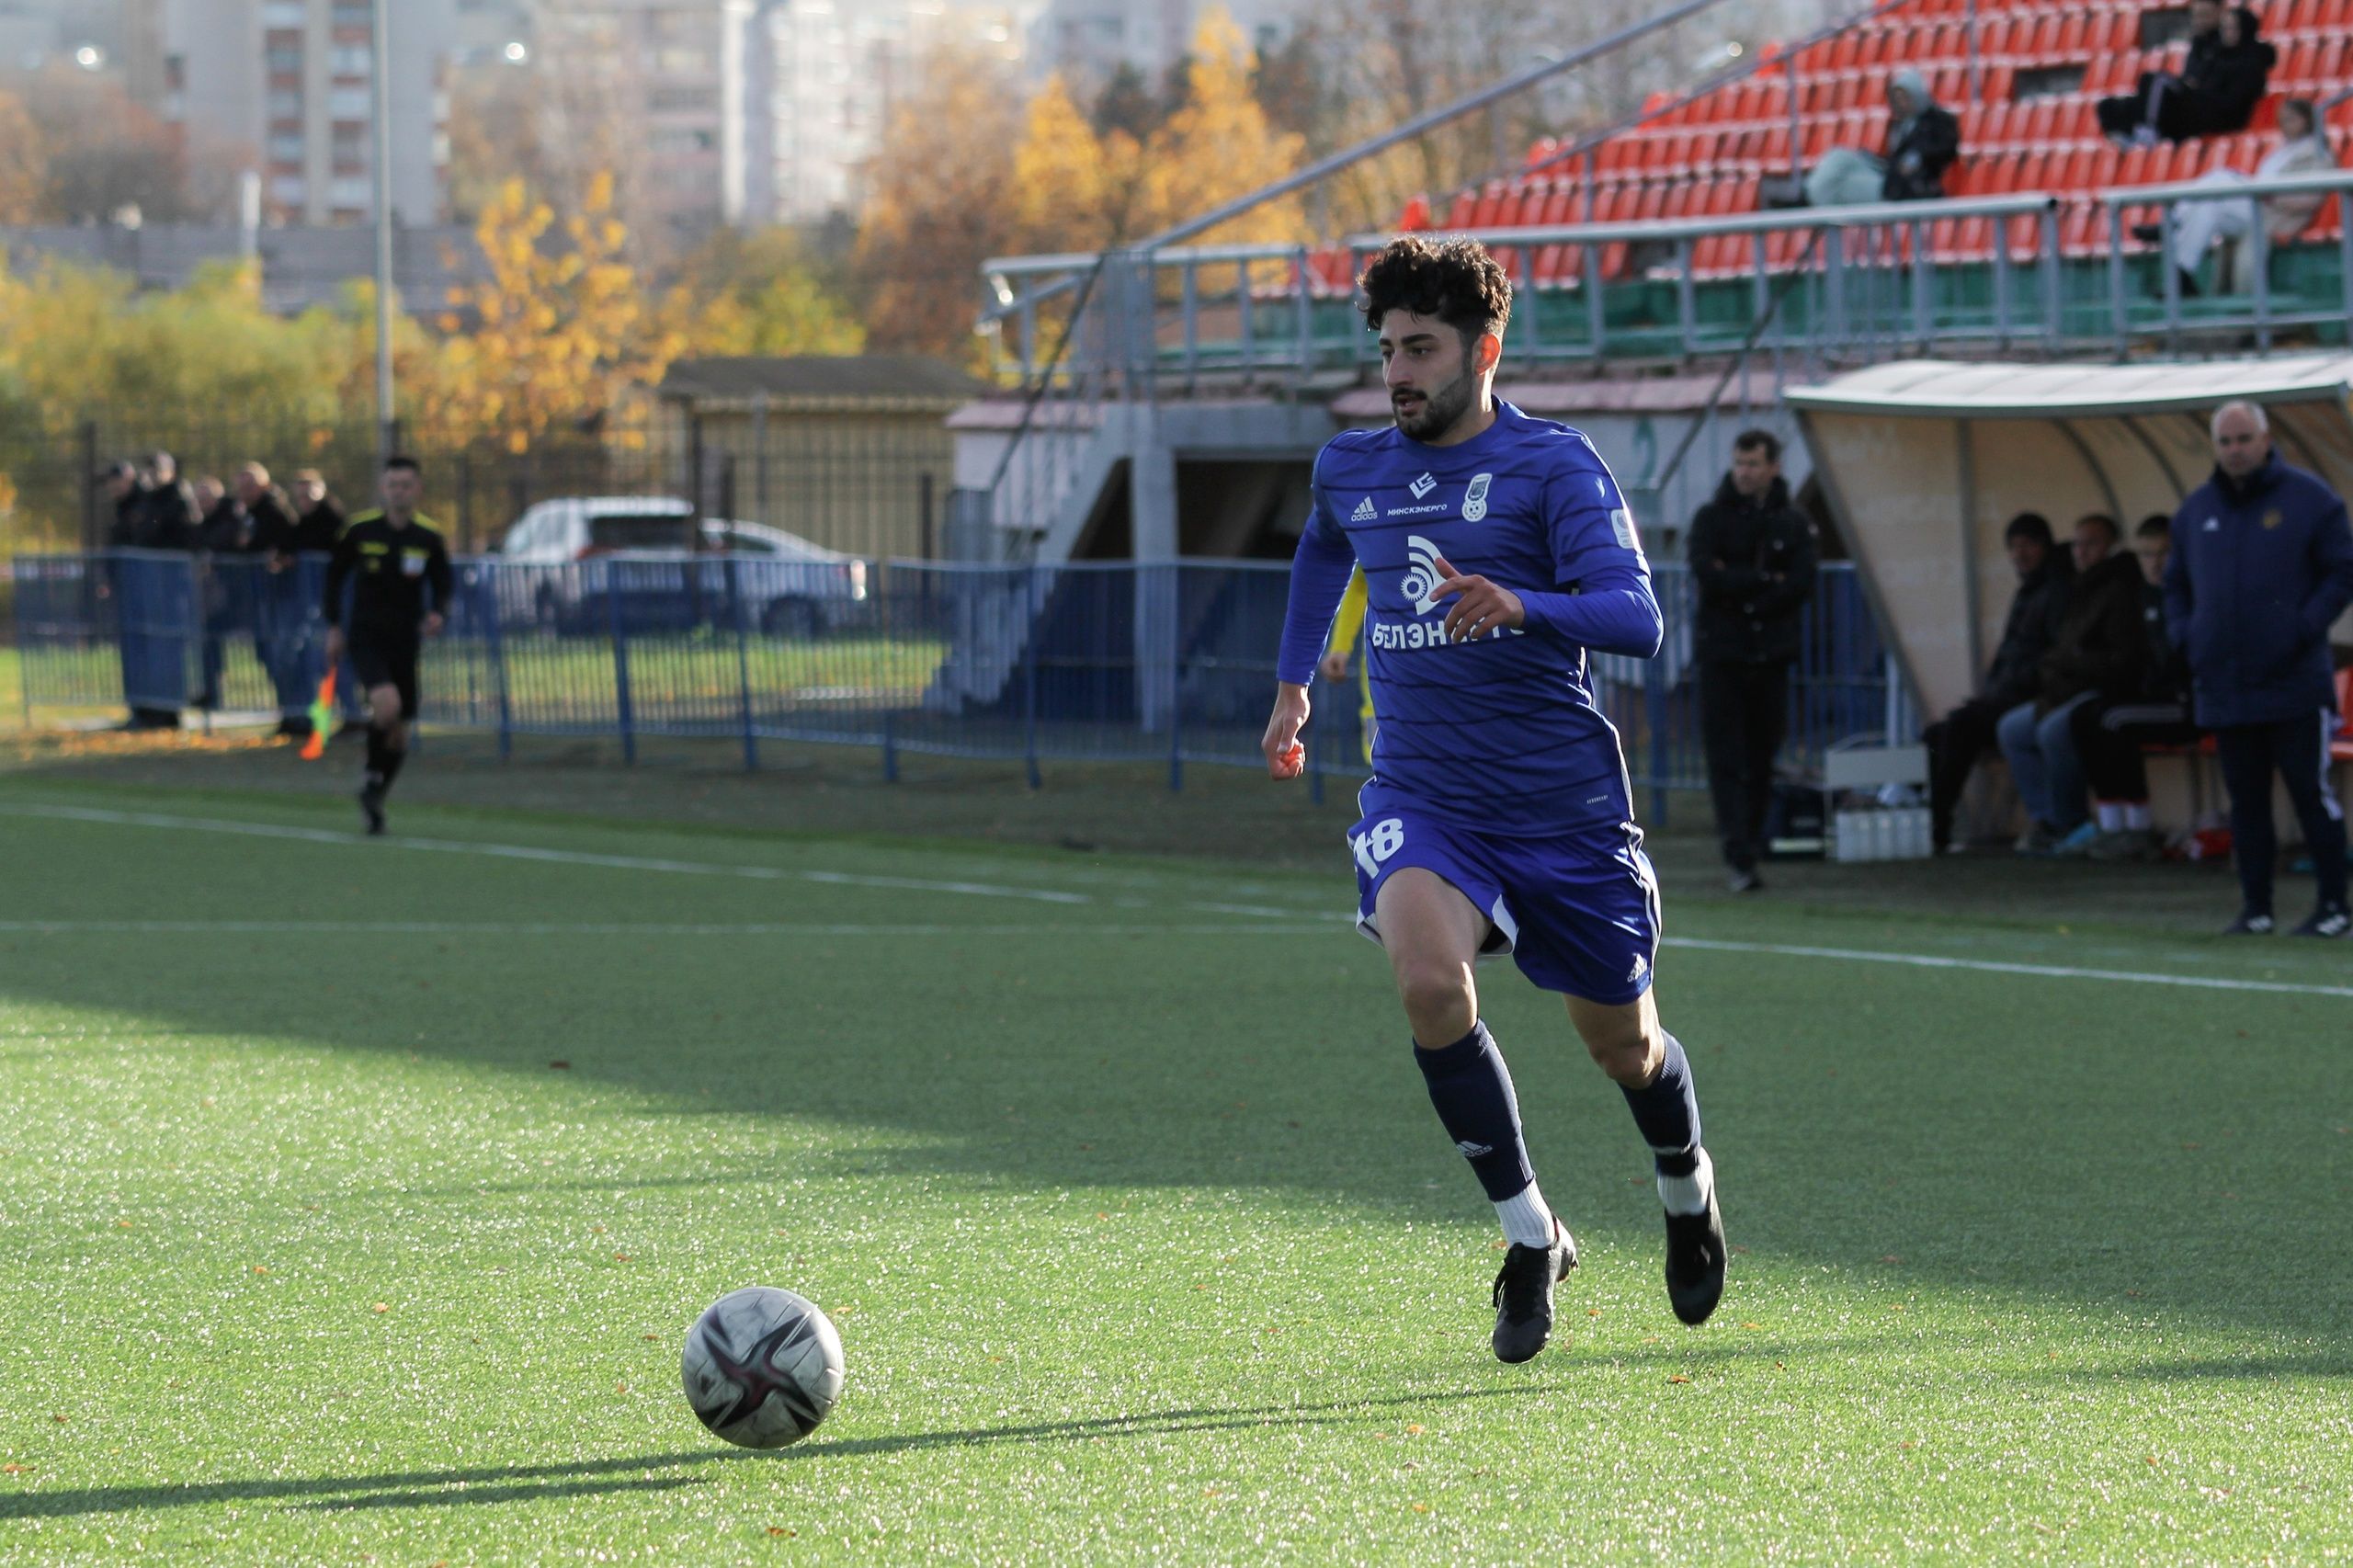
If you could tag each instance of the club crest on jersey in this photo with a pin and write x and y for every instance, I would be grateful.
(1421, 487)
(1420, 583)
(1474, 500)
(1366, 512)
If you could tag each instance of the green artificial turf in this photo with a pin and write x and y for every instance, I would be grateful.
(356, 1196)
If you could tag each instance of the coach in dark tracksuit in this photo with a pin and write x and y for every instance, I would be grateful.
(1956, 741)
(1753, 557)
(2262, 566)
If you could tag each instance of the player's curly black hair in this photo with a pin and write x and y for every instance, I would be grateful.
(1455, 281)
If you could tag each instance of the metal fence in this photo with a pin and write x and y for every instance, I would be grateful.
(866, 486)
(1170, 665)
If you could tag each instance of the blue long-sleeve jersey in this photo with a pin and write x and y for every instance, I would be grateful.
(1501, 733)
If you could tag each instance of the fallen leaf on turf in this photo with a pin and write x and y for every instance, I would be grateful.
(777, 1529)
(620, 1258)
(123, 1224)
(2193, 1145)
(621, 1388)
(382, 1307)
(1593, 1312)
(1678, 1378)
(559, 1066)
(1414, 1430)
(13, 1469)
(1890, 1257)
(61, 1420)
(1752, 1325)
(649, 1337)
(261, 1268)
(1421, 1507)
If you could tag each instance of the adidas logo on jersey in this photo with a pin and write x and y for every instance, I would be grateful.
(1365, 513)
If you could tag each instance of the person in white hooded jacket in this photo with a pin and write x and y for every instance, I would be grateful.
(2198, 225)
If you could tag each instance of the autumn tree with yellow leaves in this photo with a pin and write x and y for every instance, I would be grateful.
(557, 330)
(961, 177)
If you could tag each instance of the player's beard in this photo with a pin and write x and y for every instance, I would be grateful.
(1443, 409)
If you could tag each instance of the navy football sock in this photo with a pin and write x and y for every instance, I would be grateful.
(1472, 1089)
(1668, 1114)
(394, 757)
(376, 754)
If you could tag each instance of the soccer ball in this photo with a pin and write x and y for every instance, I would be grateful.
(762, 1366)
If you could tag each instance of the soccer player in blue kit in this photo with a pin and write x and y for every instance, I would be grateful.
(1499, 818)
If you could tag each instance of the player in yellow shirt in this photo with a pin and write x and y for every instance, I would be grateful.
(1345, 626)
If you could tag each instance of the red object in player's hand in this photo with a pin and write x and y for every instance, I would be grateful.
(1291, 761)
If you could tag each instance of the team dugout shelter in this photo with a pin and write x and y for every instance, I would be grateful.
(1922, 463)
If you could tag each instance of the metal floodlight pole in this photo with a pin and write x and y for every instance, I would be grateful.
(387, 412)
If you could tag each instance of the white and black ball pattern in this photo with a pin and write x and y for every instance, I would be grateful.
(762, 1367)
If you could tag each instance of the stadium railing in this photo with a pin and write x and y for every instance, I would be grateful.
(2263, 310)
(1170, 665)
(2023, 271)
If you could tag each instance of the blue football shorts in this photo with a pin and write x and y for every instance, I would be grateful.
(1578, 912)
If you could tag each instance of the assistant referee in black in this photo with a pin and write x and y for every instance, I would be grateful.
(392, 557)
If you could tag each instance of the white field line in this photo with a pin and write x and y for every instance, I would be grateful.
(990, 889)
(582, 928)
(1996, 966)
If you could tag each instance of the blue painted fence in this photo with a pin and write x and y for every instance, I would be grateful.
(1170, 664)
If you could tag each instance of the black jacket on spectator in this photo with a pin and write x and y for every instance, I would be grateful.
(2102, 642)
(2166, 677)
(2016, 675)
(227, 529)
(1917, 165)
(316, 530)
(130, 512)
(274, 523)
(166, 517)
(2218, 93)
(1754, 562)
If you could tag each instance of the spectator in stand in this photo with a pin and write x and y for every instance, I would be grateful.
(1753, 556)
(2197, 225)
(223, 528)
(1961, 736)
(168, 515)
(122, 479)
(2110, 736)
(225, 533)
(318, 516)
(2261, 566)
(1922, 141)
(281, 603)
(2100, 650)
(2220, 82)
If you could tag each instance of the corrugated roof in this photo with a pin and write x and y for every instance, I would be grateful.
(1941, 387)
(850, 378)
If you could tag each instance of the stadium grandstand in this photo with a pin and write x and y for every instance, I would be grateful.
(1174, 391)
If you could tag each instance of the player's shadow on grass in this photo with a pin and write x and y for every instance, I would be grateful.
(527, 1483)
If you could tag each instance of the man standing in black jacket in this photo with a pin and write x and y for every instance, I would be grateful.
(1961, 736)
(1753, 557)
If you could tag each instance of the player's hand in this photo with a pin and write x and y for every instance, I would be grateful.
(433, 624)
(1286, 757)
(1335, 667)
(334, 646)
(1480, 606)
